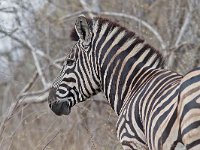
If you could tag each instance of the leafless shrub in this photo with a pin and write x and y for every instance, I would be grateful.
(35, 37)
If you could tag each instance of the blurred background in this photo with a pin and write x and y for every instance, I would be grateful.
(34, 40)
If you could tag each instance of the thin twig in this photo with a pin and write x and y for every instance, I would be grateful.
(36, 93)
(60, 60)
(87, 8)
(37, 64)
(48, 132)
(47, 57)
(7, 117)
(8, 10)
(30, 83)
(183, 28)
(35, 52)
(69, 16)
(51, 140)
(28, 45)
(186, 23)
(36, 97)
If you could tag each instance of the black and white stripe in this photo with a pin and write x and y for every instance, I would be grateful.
(157, 108)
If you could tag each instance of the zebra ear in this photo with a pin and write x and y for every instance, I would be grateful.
(83, 29)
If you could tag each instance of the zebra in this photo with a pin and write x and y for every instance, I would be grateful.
(156, 108)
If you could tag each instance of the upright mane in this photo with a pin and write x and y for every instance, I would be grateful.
(111, 25)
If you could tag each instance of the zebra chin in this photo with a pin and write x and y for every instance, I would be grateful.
(60, 108)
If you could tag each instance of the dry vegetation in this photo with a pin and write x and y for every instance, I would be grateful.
(39, 40)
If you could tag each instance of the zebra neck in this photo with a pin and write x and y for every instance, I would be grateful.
(120, 68)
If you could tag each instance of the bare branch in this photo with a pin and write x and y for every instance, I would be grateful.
(37, 64)
(39, 97)
(144, 23)
(28, 98)
(33, 94)
(186, 23)
(72, 15)
(60, 60)
(30, 83)
(86, 8)
(7, 117)
(30, 47)
(183, 28)
(96, 6)
(8, 10)
(14, 38)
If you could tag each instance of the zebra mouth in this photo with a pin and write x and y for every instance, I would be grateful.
(60, 108)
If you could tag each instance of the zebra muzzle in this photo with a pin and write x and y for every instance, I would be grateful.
(60, 108)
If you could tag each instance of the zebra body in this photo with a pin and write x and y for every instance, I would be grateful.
(147, 109)
(157, 108)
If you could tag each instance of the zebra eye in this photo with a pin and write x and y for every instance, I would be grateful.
(69, 62)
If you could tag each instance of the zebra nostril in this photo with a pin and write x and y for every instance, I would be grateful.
(50, 105)
(65, 108)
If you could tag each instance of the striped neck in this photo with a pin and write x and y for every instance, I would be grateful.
(121, 57)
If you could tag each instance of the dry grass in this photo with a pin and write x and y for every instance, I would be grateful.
(36, 127)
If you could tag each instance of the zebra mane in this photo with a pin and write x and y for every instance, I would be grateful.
(111, 25)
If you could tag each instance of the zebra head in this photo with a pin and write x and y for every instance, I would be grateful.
(76, 81)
